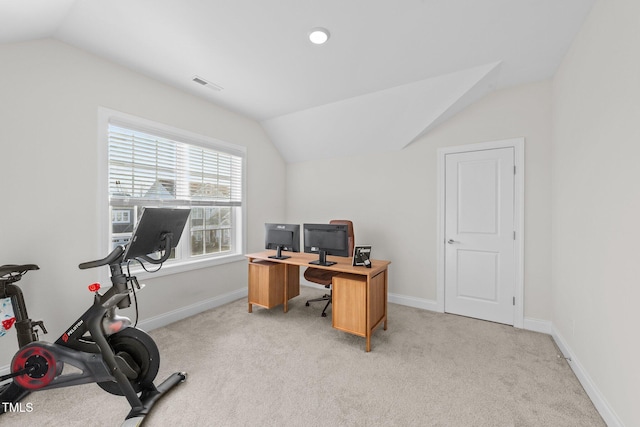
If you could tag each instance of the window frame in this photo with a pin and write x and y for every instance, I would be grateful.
(188, 263)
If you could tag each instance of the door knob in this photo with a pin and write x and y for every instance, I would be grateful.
(451, 241)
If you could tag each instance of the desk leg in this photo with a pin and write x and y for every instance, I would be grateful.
(286, 288)
(249, 278)
(386, 277)
(376, 304)
(368, 313)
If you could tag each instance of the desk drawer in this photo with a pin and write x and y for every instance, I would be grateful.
(349, 304)
(266, 281)
(350, 311)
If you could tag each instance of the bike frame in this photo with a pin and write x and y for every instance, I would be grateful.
(39, 365)
(75, 348)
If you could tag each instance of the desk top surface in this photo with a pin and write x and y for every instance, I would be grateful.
(343, 264)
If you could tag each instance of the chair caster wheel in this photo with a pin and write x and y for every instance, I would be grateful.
(324, 314)
(307, 304)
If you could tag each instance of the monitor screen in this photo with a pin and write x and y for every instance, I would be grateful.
(148, 236)
(282, 237)
(326, 239)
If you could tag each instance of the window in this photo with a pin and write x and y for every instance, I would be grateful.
(120, 216)
(153, 166)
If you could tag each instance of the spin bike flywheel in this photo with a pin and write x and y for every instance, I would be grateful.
(138, 356)
(40, 364)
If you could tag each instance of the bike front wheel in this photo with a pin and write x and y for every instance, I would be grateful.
(140, 356)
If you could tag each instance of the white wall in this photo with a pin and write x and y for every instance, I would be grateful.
(391, 197)
(596, 207)
(49, 99)
(581, 207)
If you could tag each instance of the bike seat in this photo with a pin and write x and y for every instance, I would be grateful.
(14, 268)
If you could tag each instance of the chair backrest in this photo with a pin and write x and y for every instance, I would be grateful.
(349, 224)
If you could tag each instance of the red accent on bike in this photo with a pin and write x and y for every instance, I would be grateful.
(94, 287)
(65, 337)
(116, 326)
(7, 324)
(42, 359)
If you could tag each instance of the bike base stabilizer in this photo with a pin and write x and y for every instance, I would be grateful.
(150, 397)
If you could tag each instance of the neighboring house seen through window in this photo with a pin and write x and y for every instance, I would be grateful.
(155, 168)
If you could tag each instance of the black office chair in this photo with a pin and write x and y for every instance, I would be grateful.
(324, 277)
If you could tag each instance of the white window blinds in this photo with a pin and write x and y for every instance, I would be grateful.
(148, 169)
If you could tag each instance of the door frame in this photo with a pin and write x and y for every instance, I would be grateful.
(518, 145)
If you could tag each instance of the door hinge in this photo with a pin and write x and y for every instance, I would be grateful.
(514, 170)
(514, 300)
(514, 235)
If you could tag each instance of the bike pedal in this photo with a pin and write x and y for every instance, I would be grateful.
(127, 365)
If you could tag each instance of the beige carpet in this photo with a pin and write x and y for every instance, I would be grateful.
(269, 368)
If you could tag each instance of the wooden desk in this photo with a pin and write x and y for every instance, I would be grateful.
(359, 293)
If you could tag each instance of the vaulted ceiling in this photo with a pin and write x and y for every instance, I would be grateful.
(390, 71)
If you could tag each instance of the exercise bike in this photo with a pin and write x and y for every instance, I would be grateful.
(102, 346)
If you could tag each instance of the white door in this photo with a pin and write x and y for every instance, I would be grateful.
(480, 273)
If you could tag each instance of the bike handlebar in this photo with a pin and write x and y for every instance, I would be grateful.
(109, 259)
(116, 255)
(167, 237)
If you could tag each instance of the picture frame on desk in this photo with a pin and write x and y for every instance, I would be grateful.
(362, 255)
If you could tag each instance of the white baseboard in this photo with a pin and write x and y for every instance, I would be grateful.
(537, 325)
(530, 324)
(425, 304)
(191, 310)
(599, 401)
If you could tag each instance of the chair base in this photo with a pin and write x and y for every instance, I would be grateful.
(327, 298)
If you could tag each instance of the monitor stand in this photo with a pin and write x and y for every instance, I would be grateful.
(322, 260)
(278, 254)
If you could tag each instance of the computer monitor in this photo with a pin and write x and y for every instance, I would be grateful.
(150, 233)
(282, 237)
(326, 239)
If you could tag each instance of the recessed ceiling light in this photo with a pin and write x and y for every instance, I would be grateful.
(319, 35)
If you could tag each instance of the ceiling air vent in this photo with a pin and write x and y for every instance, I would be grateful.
(206, 83)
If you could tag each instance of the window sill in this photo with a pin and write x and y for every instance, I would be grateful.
(184, 266)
